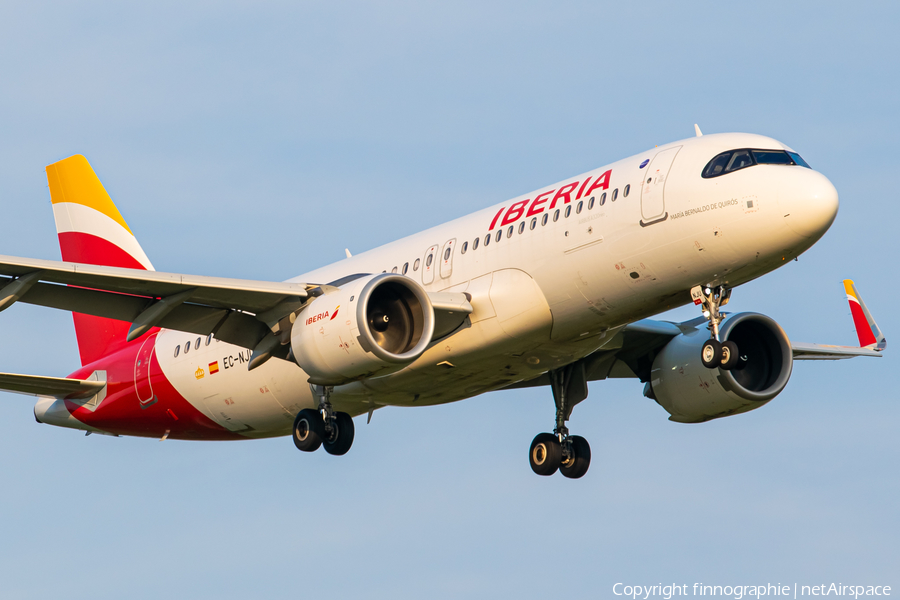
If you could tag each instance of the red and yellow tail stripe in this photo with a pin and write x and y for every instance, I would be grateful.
(91, 230)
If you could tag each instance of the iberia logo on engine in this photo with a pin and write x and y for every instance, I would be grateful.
(323, 315)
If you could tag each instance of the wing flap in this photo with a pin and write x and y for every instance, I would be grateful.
(57, 387)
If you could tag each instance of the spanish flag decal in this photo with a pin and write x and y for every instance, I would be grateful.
(334, 314)
(213, 367)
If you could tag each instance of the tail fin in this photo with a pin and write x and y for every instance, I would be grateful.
(870, 335)
(91, 230)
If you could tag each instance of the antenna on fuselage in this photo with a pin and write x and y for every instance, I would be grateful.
(697, 130)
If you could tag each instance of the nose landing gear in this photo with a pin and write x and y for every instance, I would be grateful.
(715, 353)
(559, 451)
(323, 427)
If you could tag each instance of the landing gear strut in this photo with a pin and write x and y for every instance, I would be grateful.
(323, 427)
(559, 451)
(716, 353)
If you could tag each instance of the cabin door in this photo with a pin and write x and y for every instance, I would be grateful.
(653, 202)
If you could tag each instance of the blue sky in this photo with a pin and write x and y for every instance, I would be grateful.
(258, 140)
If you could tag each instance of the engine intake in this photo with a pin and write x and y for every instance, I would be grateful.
(691, 393)
(372, 326)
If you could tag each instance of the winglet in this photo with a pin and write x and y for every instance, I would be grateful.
(697, 130)
(870, 335)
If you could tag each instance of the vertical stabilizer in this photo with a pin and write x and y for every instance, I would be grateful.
(92, 231)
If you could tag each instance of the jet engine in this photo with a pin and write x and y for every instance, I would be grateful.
(692, 393)
(371, 326)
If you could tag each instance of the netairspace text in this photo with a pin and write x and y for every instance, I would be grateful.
(667, 592)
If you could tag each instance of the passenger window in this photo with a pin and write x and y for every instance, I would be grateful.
(208, 339)
(509, 231)
(626, 191)
(602, 198)
(197, 344)
(521, 227)
(499, 234)
(416, 264)
(487, 239)
(591, 203)
(187, 347)
(405, 268)
(177, 351)
(578, 208)
(568, 211)
(464, 248)
(545, 218)
(475, 243)
(533, 222)
(556, 215)
(615, 194)
(394, 270)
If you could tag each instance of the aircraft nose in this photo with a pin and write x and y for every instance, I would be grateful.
(809, 201)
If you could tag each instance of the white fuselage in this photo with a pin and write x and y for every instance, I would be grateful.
(546, 291)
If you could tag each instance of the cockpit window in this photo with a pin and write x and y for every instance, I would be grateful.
(740, 159)
(799, 160)
(717, 165)
(772, 157)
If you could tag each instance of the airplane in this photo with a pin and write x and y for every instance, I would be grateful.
(554, 288)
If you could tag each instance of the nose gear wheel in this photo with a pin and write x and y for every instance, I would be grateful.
(715, 353)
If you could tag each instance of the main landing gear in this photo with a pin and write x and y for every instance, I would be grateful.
(716, 353)
(559, 451)
(323, 427)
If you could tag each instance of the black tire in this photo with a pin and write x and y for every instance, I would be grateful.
(545, 454)
(342, 435)
(309, 430)
(730, 355)
(581, 462)
(711, 354)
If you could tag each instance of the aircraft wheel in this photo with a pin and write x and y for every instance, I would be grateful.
(546, 454)
(711, 354)
(342, 435)
(579, 463)
(309, 430)
(730, 355)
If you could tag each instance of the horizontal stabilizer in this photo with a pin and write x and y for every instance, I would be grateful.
(57, 387)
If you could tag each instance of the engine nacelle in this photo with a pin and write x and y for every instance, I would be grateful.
(691, 393)
(371, 326)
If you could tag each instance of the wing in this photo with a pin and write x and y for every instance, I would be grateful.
(631, 349)
(871, 340)
(251, 314)
(237, 311)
